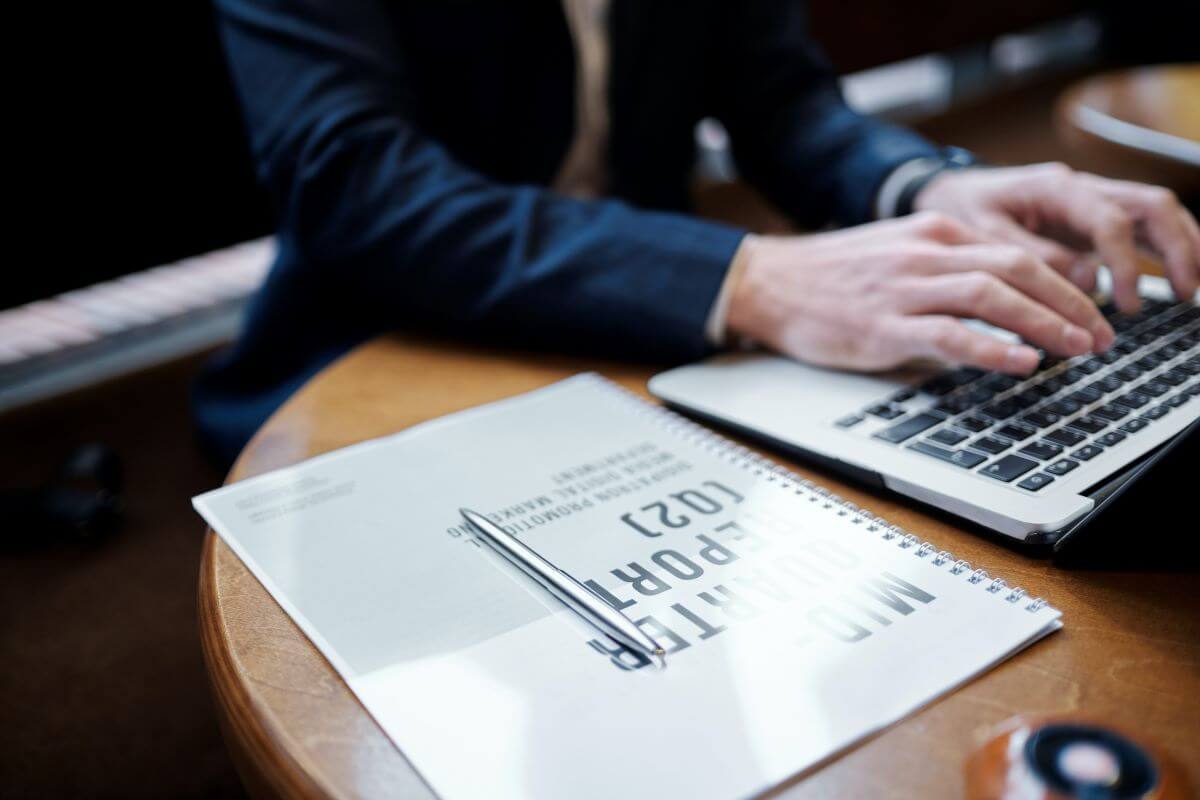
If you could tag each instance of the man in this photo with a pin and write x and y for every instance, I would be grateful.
(519, 171)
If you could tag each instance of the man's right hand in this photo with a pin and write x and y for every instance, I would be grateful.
(878, 295)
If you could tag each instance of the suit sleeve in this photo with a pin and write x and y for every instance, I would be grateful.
(793, 135)
(366, 198)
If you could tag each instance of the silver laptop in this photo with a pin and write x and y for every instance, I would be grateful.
(1028, 458)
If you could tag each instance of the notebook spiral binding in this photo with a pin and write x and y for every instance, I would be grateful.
(742, 456)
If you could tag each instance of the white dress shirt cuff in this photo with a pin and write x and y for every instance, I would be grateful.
(888, 196)
(714, 326)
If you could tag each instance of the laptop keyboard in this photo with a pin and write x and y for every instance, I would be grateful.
(1028, 431)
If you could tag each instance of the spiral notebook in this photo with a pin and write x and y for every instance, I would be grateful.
(795, 623)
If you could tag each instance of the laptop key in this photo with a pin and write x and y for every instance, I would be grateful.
(1110, 412)
(1129, 372)
(989, 445)
(1036, 481)
(978, 395)
(1086, 395)
(964, 375)
(1042, 451)
(1040, 419)
(974, 424)
(1154, 388)
(908, 428)
(1157, 412)
(1087, 452)
(1001, 410)
(955, 404)
(1111, 438)
(938, 385)
(1088, 424)
(1026, 399)
(1000, 383)
(1062, 467)
(1148, 361)
(1071, 375)
(961, 458)
(1133, 400)
(1066, 437)
(1008, 468)
(849, 421)
(1048, 387)
(1177, 400)
(885, 411)
(948, 436)
(1015, 431)
(1064, 407)
(1134, 425)
(1172, 377)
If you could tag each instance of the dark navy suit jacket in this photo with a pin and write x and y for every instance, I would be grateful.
(408, 144)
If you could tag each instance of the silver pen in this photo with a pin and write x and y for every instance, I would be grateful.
(582, 600)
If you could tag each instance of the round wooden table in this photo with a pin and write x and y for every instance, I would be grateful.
(1140, 124)
(1130, 651)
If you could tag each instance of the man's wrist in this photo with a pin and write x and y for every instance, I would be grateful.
(897, 194)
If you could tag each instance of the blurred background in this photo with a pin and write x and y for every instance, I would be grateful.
(144, 233)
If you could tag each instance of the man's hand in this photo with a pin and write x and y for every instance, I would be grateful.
(875, 296)
(1075, 221)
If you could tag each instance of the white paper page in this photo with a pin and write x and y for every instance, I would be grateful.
(791, 631)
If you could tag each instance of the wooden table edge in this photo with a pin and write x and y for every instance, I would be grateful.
(253, 737)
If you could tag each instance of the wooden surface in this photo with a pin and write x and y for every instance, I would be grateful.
(1140, 124)
(1130, 651)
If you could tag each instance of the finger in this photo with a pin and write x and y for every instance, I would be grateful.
(1165, 231)
(1039, 281)
(949, 339)
(1170, 235)
(1004, 230)
(1083, 274)
(1082, 207)
(1193, 231)
(984, 296)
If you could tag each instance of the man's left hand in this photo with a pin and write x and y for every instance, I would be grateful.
(1074, 222)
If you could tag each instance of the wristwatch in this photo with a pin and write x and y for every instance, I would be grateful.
(925, 170)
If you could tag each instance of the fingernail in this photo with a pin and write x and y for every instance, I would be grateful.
(1075, 339)
(1103, 336)
(1020, 360)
